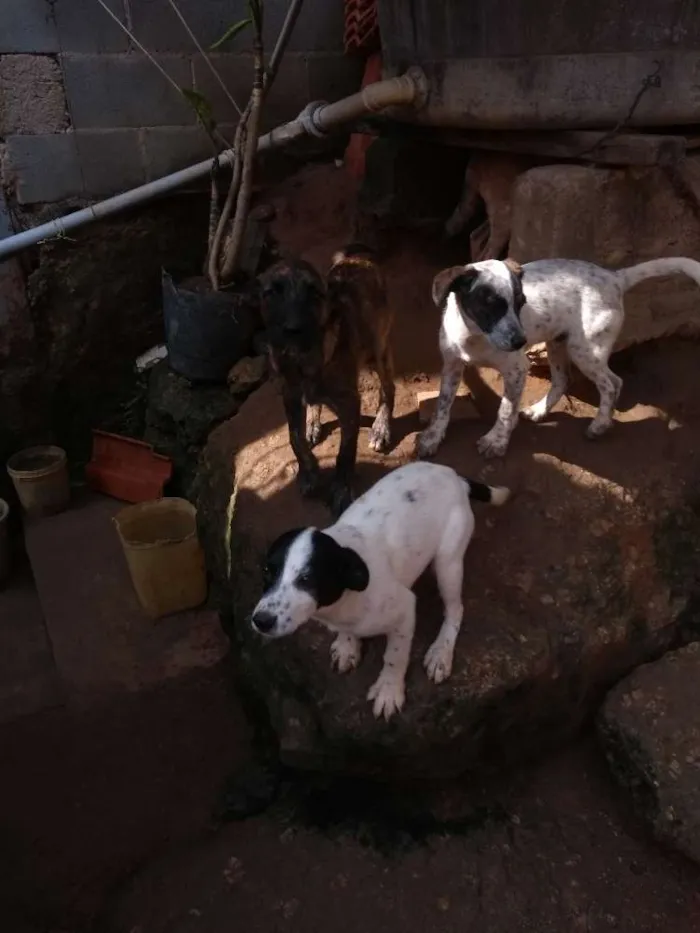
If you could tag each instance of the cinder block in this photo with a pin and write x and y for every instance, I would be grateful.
(31, 91)
(110, 160)
(43, 168)
(333, 75)
(157, 26)
(27, 26)
(83, 26)
(289, 93)
(463, 408)
(169, 148)
(109, 91)
(320, 26)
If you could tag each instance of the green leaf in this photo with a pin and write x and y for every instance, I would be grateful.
(200, 105)
(230, 33)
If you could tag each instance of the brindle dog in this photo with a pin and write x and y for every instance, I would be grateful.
(318, 339)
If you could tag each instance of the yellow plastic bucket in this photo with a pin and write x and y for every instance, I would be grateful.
(40, 478)
(165, 559)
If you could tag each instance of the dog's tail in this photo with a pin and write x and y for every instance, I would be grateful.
(480, 492)
(658, 267)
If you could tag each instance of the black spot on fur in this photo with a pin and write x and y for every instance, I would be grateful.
(409, 496)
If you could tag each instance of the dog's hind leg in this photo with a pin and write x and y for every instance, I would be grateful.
(313, 424)
(429, 440)
(380, 433)
(594, 365)
(389, 691)
(557, 358)
(449, 572)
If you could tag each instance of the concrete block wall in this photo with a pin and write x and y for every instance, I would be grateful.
(83, 114)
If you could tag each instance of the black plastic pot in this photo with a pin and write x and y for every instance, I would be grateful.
(206, 332)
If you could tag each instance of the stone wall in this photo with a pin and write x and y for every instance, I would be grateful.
(84, 114)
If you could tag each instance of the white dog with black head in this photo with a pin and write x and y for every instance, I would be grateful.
(356, 576)
(492, 310)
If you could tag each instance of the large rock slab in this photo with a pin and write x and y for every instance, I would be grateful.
(617, 217)
(587, 572)
(651, 733)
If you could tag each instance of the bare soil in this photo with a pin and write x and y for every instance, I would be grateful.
(554, 855)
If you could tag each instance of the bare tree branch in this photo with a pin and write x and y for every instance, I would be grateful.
(233, 245)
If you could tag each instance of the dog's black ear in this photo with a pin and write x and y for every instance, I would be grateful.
(449, 279)
(355, 571)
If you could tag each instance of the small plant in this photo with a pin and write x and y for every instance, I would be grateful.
(227, 224)
(228, 221)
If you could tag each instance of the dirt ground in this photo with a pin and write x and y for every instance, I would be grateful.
(106, 814)
(556, 856)
(88, 794)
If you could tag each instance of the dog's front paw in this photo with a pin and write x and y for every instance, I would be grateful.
(388, 695)
(427, 443)
(313, 433)
(493, 444)
(380, 437)
(438, 661)
(346, 652)
(536, 412)
(597, 428)
(339, 498)
(313, 425)
(310, 484)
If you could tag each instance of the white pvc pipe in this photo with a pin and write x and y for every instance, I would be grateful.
(317, 119)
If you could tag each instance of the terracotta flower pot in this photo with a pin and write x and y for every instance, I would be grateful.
(126, 469)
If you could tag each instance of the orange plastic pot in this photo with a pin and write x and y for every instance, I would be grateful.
(126, 469)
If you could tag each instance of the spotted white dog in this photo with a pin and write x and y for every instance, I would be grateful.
(493, 309)
(356, 576)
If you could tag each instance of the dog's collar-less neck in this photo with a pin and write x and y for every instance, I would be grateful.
(342, 612)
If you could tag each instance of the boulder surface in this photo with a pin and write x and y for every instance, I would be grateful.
(651, 734)
(587, 572)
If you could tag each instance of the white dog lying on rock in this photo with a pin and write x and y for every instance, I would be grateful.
(356, 576)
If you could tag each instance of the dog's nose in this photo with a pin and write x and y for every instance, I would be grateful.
(263, 621)
(518, 342)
